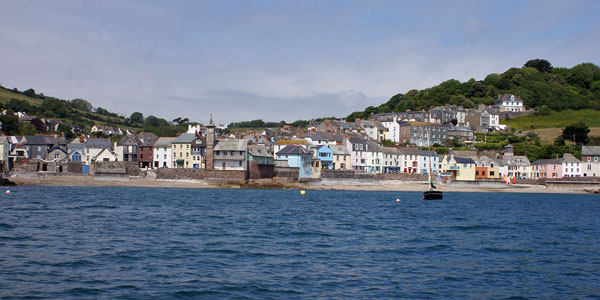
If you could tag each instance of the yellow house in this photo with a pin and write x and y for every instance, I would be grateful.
(459, 168)
(188, 151)
(341, 157)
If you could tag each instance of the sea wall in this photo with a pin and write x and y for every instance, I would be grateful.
(201, 174)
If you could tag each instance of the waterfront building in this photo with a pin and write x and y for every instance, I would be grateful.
(93, 146)
(341, 157)
(358, 153)
(458, 168)
(127, 148)
(162, 152)
(146, 149)
(325, 155)
(230, 154)
(374, 159)
(391, 160)
(571, 166)
(296, 156)
(546, 168)
(187, 151)
(423, 134)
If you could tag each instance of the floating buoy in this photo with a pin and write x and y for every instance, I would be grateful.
(423, 198)
(397, 200)
(7, 192)
(302, 192)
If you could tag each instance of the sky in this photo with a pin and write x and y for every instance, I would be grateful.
(276, 60)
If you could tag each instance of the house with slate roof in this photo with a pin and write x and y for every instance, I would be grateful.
(296, 156)
(571, 166)
(358, 153)
(127, 148)
(391, 160)
(38, 145)
(146, 149)
(546, 168)
(188, 151)
(162, 152)
(590, 161)
(458, 168)
(56, 154)
(230, 154)
(509, 103)
(93, 146)
(341, 157)
(325, 154)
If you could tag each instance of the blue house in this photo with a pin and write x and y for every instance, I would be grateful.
(297, 157)
(325, 154)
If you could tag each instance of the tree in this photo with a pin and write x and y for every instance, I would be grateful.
(152, 121)
(137, 117)
(81, 104)
(28, 129)
(29, 92)
(577, 132)
(541, 65)
(10, 123)
(179, 121)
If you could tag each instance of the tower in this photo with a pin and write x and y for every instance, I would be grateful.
(210, 144)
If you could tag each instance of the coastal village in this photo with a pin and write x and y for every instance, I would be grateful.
(332, 149)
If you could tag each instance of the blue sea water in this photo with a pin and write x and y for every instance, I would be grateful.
(162, 243)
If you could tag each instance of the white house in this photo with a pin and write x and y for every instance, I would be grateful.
(571, 166)
(391, 160)
(509, 103)
(163, 152)
(230, 154)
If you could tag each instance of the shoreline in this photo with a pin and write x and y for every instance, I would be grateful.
(392, 185)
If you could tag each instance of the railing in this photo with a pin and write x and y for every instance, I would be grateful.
(230, 157)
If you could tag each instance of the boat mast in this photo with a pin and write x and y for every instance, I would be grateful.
(429, 158)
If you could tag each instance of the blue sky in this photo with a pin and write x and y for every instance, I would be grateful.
(277, 60)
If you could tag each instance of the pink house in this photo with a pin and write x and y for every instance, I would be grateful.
(546, 168)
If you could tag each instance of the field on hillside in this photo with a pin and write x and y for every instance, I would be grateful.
(590, 117)
(549, 134)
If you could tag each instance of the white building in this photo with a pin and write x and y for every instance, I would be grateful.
(509, 103)
(163, 152)
(571, 166)
(391, 160)
(231, 154)
(393, 128)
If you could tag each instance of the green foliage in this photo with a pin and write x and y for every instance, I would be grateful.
(541, 65)
(28, 129)
(20, 105)
(152, 121)
(537, 83)
(489, 146)
(137, 117)
(388, 143)
(577, 132)
(10, 123)
(81, 104)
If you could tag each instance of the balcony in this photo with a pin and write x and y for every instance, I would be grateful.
(230, 157)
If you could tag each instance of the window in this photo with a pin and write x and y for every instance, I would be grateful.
(56, 155)
(165, 157)
(240, 163)
(491, 173)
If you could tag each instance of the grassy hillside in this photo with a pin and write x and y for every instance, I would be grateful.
(590, 117)
(548, 135)
(79, 117)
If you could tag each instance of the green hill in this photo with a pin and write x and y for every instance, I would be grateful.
(540, 85)
(66, 111)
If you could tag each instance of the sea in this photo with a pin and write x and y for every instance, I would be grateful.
(166, 243)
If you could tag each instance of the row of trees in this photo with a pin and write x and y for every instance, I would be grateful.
(537, 82)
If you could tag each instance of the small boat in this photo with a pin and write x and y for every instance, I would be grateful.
(432, 193)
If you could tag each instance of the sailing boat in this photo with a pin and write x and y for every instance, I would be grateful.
(432, 193)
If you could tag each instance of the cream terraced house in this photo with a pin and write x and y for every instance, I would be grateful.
(188, 151)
